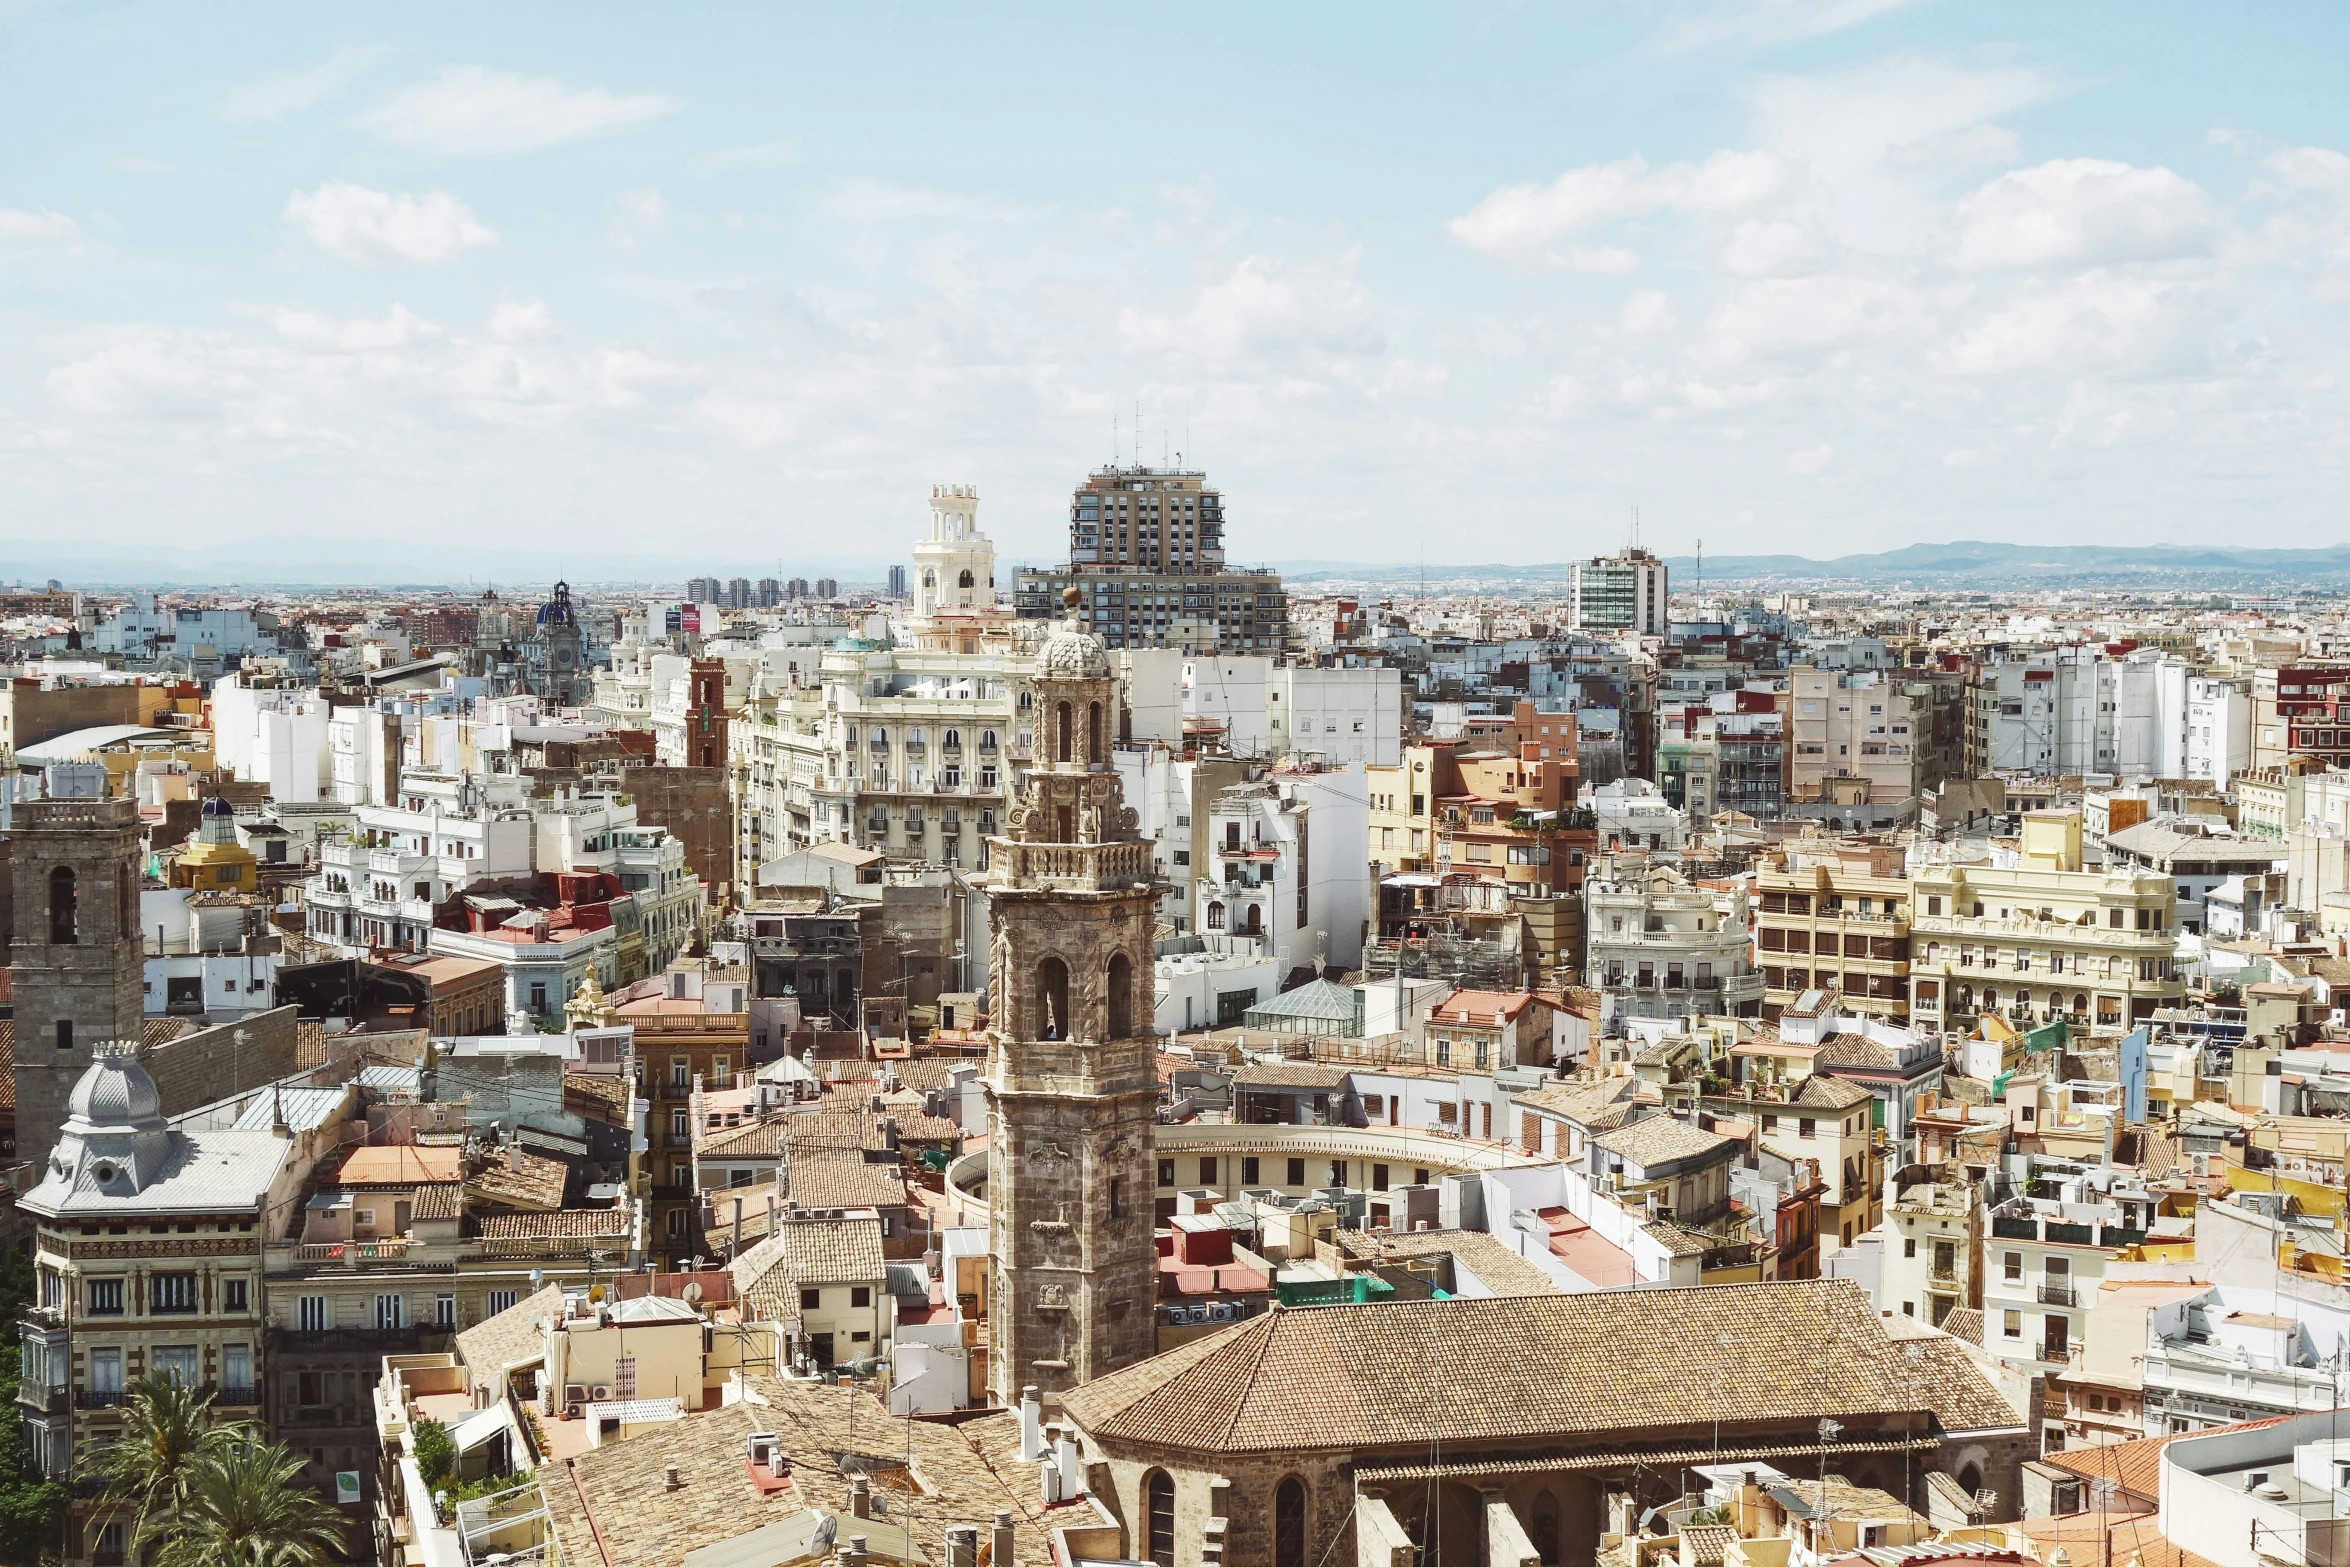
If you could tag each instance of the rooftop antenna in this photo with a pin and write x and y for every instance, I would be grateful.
(1700, 568)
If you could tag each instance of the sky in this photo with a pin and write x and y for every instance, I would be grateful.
(1473, 283)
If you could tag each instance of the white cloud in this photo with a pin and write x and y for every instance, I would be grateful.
(359, 224)
(642, 215)
(1646, 313)
(319, 330)
(1775, 21)
(1811, 460)
(36, 225)
(2101, 323)
(513, 322)
(1771, 248)
(1519, 223)
(282, 95)
(1265, 309)
(470, 110)
(2083, 212)
(1844, 122)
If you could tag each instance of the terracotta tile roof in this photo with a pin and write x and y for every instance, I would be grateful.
(810, 1251)
(1856, 1050)
(1659, 1139)
(155, 1031)
(2135, 1468)
(1289, 1074)
(538, 1183)
(509, 1338)
(840, 1178)
(565, 1223)
(1955, 1387)
(753, 1140)
(1581, 1102)
(1831, 1093)
(606, 1087)
(968, 1472)
(1556, 1366)
(439, 1200)
(1964, 1323)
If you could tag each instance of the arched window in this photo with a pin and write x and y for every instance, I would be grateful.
(1289, 1524)
(1256, 919)
(1093, 732)
(952, 739)
(1121, 997)
(930, 579)
(1052, 999)
(1990, 998)
(2080, 1002)
(1215, 916)
(1061, 745)
(64, 907)
(1971, 1478)
(1158, 1491)
(1543, 1532)
(964, 581)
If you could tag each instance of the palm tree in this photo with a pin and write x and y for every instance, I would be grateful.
(168, 1430)
(246, 1506)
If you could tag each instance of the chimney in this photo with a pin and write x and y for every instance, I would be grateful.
(1000, 1545)
(1031, 1425)
(671, 1480)
(860, 1497)
(1072, 1469)
(962, 1546)
(854, 1556)
(514, 1153)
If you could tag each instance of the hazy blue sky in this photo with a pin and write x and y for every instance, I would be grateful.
(1809, 275)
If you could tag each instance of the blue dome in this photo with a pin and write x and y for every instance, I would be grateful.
(557, 610)
(218, 806)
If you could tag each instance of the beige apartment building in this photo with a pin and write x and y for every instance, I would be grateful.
(1863, 724)
(2044, 940)
(1835, 916)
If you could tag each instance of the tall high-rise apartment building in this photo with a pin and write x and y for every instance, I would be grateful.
(1626, 592)
(738, 593)
(770, 592)
(701, 590)
(827, 588)
(1146, 555)
(796, 588)
(897, 582)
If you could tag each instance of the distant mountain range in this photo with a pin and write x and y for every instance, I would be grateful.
(1965, 562)
(377, 563)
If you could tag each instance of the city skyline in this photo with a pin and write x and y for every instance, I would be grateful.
(1809, 277)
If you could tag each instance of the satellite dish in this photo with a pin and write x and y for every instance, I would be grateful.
(827, 1528)
(691, 1294)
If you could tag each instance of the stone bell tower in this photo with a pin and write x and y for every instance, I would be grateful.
(1071, 1080)
(75, 955)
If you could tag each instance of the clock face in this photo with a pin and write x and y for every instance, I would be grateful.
(562, 655)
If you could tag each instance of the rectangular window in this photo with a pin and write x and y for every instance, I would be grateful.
(861, 1295)
(176, 1364)
(234, 1295)
(1378, 1177)
(105, 1297)
(499, 1300)
(313, 1314)
(1207, 1172)
(106, 1371)
(811, 1300)
(2011, 1324)
(1338, 1172)
(173, 1293)
(1166, 1172)
(236, 1368)
(391, 1311)
(1248, 1170)
(444, 1312)
(1297, 1172)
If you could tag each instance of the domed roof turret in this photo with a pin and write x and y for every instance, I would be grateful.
(557, 610)
(1072, 652)
(115, 1093)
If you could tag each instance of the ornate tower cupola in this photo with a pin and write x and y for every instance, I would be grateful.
(1072, 1083)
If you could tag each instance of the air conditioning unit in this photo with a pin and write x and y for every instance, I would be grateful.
(599, 1394)
(574, 1400)
(1224, 1311)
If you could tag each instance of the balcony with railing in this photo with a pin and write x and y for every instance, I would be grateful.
(2055, 1294)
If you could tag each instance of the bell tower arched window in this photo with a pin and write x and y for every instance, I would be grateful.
(64, 907)
(1121, 996)
(1052, 999)
(1093, 733)
(1061, 743)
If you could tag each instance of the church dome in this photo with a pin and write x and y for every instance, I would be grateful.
(557, 610)
(115, 1091)
(1072, 652)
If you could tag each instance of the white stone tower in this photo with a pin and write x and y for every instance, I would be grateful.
(954, 568)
